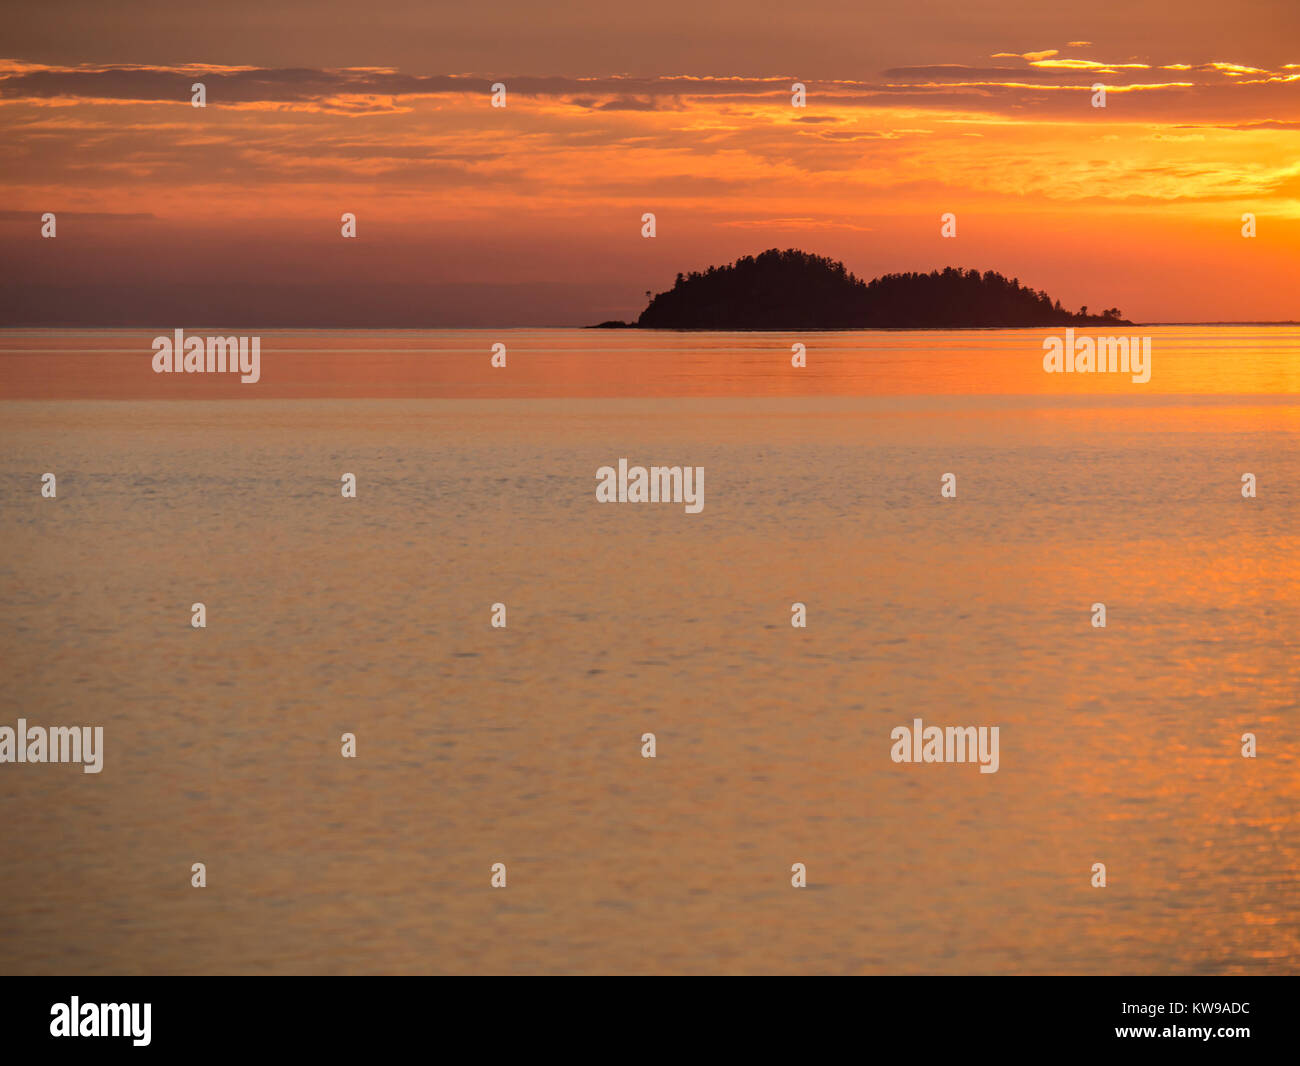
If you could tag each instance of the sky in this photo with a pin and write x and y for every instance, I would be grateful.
(531, 214)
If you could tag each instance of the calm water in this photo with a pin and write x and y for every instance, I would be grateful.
(522, 746)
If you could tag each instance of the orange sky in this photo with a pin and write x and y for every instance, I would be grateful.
(470, 215)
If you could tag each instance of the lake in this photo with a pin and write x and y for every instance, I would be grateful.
(522, 745)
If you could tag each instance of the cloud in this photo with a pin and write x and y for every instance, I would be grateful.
(81, 216)
(1031, 56)
(380, 91)
(798, 223)
(294, 141)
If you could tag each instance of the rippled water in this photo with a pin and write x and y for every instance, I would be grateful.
(522, 745)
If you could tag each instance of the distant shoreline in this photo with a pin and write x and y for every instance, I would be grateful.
(1089, 324)
(909, 329)
(226, 327)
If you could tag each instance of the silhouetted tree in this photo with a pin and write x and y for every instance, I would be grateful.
(797, 290)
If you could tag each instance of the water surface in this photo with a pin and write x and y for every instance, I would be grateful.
(522, 746)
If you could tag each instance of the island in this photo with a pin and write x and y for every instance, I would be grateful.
(798, 290)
